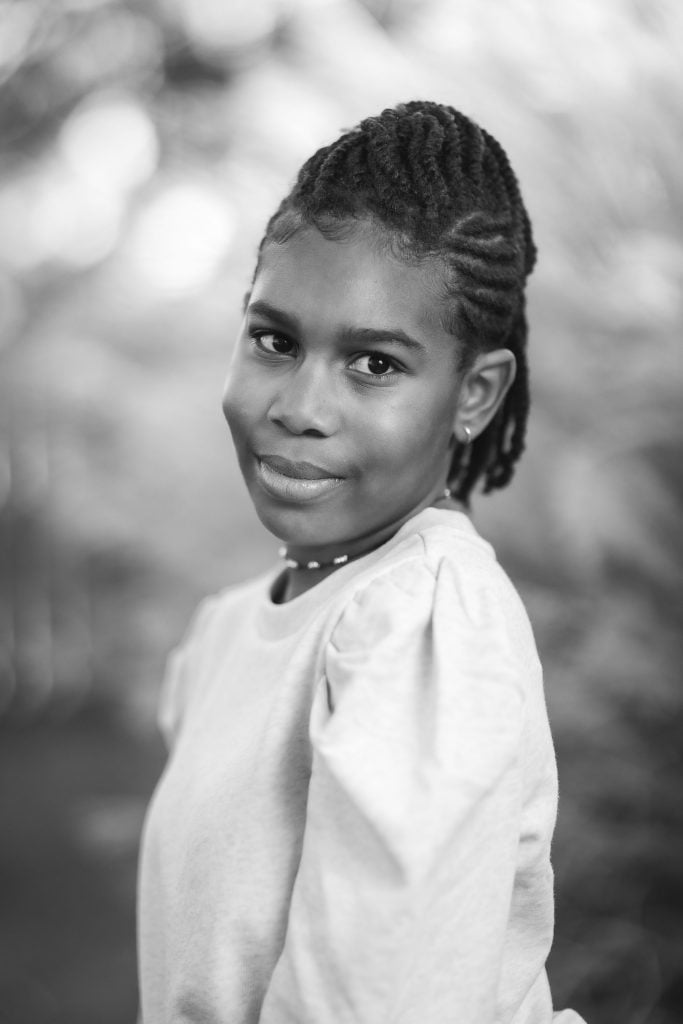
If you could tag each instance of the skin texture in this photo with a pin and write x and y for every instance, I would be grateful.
(343, 362)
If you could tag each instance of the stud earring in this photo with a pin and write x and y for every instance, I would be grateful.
(467, 431)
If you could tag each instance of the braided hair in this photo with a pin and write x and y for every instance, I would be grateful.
(436, 185)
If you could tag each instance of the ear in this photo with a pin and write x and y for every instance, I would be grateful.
(482, 391)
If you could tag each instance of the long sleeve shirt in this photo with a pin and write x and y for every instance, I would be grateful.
(354, 824)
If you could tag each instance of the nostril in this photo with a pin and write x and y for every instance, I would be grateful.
(296, 425)
(302, 413)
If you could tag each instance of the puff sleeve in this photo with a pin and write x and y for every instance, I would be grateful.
(403, 894)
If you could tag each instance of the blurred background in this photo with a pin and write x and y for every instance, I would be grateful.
(143, 144)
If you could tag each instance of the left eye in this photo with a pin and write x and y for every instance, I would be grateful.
(375, 364)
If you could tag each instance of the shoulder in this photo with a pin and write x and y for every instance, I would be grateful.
(226, 609)
(216, 619)
(431, 651)
(441, 578)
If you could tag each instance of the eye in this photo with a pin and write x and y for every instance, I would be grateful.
(274, 344)
(375, 364)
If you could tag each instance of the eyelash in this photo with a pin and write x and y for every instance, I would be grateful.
(395, 367)
(258, 336)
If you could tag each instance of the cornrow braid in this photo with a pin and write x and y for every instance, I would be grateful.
(437, 185)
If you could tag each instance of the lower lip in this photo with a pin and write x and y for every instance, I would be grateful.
(292, 488)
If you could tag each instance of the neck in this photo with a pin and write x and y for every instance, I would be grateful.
(301, 579)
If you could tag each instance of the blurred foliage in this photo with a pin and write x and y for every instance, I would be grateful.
(144, 144)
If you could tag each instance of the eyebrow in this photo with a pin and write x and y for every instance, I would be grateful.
(261, 308)
(356, 335)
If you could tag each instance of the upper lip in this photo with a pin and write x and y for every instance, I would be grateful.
(298, 470)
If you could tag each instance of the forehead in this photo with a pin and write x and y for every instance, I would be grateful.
(354, 280)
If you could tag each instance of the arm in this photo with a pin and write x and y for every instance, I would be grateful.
(402, 898)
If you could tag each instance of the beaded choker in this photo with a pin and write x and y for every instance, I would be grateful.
(340, 560)
(292, 563)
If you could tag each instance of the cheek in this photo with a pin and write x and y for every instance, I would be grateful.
(426, 442)
(229, 403)
(245, 392)
(405, 450)
(425, 425)
(239, 406)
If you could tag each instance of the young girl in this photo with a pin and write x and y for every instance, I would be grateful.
(354, 825)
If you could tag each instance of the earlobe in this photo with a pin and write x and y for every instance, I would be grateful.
(482, 392)
(463, 433)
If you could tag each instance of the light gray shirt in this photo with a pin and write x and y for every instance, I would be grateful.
(354, 823)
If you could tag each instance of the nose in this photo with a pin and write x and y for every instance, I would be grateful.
(305, 401)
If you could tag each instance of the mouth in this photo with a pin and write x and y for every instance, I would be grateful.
(294, 481)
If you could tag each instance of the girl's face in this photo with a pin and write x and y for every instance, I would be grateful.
(342, 394)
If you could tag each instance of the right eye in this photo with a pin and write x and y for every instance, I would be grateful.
(273, 344)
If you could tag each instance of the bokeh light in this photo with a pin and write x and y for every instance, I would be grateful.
(181, 237)
(110, 143)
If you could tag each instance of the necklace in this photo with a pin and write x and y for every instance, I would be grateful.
(292, 563)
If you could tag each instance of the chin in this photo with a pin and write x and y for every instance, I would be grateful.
(296, 527)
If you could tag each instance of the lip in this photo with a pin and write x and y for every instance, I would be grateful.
(298, 470)
(294, 481)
